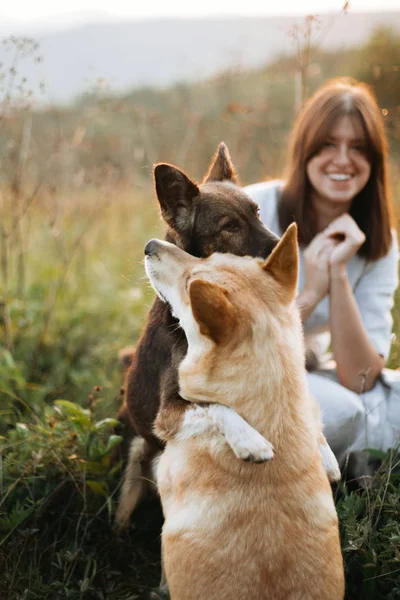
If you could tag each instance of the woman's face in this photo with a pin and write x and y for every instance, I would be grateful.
(341, 169)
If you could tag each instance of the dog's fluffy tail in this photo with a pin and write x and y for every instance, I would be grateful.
(134, 482)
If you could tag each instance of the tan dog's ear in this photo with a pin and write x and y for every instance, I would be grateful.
(282, 263)
(221, 167)
(175, 193)
(215, 315)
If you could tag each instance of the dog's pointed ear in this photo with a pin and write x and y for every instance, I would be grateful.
(214, 313)
(221, 167)
(175, 193)
(283, 262)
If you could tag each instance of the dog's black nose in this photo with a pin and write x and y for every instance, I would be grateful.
(151, 247)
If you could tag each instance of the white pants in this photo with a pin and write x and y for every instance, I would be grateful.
(358, 421)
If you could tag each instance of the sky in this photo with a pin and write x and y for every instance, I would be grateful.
(43, 14)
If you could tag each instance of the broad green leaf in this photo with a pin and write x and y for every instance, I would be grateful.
(98, 487)
(75, 413)
(104, 423)
(116, 468)
(72, 409)
(8, 359)
(113, 442)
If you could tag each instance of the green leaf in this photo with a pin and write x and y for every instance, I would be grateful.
(109, 506)
(8, 359)
(18, 515)
(104, 423)
(376, 453)
(82, 420)
(116, 468)
(106, 460)
(113, 442)
(85, 584)
(74, 412)
(98, 487)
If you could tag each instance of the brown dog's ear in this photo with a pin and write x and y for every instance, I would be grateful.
(212, 310)
(221, 167)
(175, 193)
(282, 263)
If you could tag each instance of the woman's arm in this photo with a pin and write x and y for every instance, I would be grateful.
(357, 361)
(361, 321)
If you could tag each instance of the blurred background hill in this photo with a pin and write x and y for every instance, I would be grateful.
(108, 133)
(163, 52)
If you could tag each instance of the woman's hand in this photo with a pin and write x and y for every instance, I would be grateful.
(317, 258)
(349, 238)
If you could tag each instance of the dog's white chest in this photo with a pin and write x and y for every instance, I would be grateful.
(184, 508)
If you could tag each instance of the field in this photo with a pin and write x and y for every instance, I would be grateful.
(76, 208)
(78, 297)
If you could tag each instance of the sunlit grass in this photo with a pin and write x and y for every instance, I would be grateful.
(83, 297)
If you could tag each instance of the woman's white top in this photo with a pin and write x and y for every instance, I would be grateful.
(373, 283)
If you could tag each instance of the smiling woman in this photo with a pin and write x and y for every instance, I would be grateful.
(336, 190)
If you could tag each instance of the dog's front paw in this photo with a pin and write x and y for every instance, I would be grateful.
(253, 448)
(330, 463)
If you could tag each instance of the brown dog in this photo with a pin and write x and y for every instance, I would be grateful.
(216, 216)
(235, 529)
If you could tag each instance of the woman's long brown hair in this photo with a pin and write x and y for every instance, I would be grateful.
(371, 208)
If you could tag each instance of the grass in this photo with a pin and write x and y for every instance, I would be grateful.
(370, 533)
(83, 295)
(56, 526)
(75, 294)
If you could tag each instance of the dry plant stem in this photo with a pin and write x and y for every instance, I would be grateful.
(4, 310)
(305, 55)
(302, 39)
(27, 204)
(52, 302)
(19, 234)
(391, 468)
(16, 227)
(329, 27)
(18, 182)
(10, 589)
(146, 137)
(10, 87)
(6, 320)
(364, 377)
(188, 140)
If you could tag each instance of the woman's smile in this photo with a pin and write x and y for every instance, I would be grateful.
(341, 169)
(340, 177)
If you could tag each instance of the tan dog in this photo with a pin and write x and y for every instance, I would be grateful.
(234, 529)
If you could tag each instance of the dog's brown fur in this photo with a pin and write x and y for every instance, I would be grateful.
(235, 529)
(216, 216)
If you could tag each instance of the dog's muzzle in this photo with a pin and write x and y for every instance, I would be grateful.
(151, 247)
